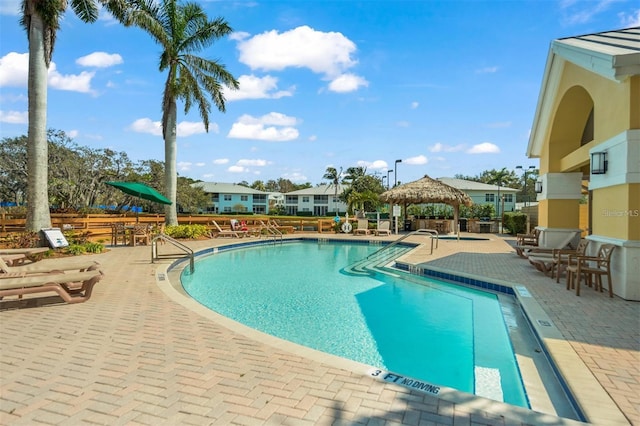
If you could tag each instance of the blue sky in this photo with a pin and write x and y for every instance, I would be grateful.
(448, 87)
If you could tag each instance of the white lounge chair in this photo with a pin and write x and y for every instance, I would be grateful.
(223, 232)
(72, 287)
(384, 228)
(363, 227)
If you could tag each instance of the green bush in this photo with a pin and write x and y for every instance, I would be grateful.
(75, 249)
(515, 223)
(94, 247)
(187, 232)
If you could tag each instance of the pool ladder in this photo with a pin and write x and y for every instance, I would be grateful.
(432, 233)
(272, 232)
(184, 250)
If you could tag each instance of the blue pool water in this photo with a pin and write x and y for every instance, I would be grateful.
(419, 327)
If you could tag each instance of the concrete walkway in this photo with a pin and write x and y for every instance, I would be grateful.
(136, 353)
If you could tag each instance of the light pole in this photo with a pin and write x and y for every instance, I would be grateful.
(388, 173)
(526, 171)
(395, 174)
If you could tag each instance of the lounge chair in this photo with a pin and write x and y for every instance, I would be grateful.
(48, 266)
(223, 232)
(363, 227)
(558, 258)
(33, 253)
(531, 239)
(72, 287)
(384, 228)
(547, 250)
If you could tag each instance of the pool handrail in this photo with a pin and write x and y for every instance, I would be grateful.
(430, 232)
(272, 231)
(165, 238)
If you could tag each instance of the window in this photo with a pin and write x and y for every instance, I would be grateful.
(260, 199)
(292, 199)
(508, 198)
(227, 209)
(321, 199)
(305, 199)
(227, 197)
(244, 198)
(489, 198)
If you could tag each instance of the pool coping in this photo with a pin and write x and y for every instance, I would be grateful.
(588, 394)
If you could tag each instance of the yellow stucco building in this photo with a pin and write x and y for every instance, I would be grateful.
(586, 133)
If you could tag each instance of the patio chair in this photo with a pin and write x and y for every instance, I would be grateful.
(590, 267)
(384, 228)
(531, 239)
(118, 233)
(219, 232)
(561, 258)
(72, 287)
(47, 266)
(140, 232)
(363, 227)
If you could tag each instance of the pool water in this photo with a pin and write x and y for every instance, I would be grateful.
(419, 327)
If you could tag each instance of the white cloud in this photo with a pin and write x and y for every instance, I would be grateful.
(418, 160)
(440, 147)
(403, 124)
(184, 128)
(372, 165)
(14, 117)
(252, 87)
(414, 105)
(303, 47)
(295, 177)
(484, 148)
(100, 60)
(13, 69)
(184, 166)
(327, 53)
(237, 169)
(271, 127)
(145, 125)
(73, 133)
(70, 82)
(254, 163)
(347, 83)
(590, 9)
(631, 20)
(221, 161)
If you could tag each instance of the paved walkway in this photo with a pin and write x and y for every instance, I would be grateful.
(136, 353)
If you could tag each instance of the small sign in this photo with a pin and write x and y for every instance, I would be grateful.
(55, 237)
(397, 211)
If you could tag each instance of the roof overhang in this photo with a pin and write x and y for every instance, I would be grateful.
(614, 55)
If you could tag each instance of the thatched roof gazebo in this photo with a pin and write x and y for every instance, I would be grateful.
(427, 190)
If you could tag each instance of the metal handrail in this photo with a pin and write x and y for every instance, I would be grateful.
(272, 231)
(431, 232)
(164, 237)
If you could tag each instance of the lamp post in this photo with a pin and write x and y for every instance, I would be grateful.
(395, 174)
(388, 173)
(526, 171)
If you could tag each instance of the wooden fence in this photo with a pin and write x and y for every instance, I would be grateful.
(98, 226)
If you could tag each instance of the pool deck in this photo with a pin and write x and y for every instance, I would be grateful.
(140, 353)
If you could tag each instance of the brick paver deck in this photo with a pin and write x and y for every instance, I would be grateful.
(135, 354)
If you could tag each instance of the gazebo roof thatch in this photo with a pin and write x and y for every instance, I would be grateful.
(426, 190)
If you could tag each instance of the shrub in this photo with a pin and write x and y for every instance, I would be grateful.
(190, 232)
(515, 223)
(94, 247)
(75, 249)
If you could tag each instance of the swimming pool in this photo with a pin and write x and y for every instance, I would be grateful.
(305, 292)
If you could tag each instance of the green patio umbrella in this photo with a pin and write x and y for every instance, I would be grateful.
(140, 190)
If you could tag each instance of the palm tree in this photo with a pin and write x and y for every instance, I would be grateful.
(498, 177)
(333, 176)
(41, 20)
(182, 30)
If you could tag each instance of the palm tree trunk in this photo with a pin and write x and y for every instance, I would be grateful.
(170, 161)
(38, 216)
